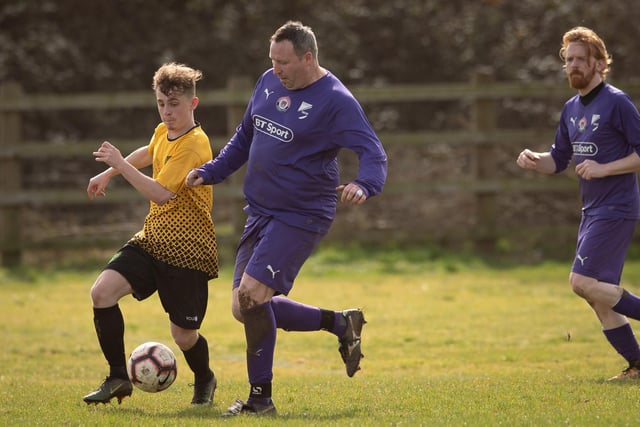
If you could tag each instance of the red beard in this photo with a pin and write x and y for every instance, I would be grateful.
(579, 81)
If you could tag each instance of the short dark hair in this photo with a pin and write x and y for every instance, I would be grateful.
(301, 37)
(174, 77)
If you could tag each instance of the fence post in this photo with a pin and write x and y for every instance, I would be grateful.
(10, 179)
(484, 120)
(235, 112)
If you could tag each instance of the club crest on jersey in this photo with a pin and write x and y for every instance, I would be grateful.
(582, 124)
(283, 103)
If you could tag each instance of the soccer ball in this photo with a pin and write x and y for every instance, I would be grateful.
(152, 367)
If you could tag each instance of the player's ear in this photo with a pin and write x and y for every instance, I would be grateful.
(308, 57)
(194, 102)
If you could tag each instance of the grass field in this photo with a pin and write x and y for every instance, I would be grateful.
(449, 342)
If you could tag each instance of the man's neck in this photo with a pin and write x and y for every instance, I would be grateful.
(594, 83)
(316, 74)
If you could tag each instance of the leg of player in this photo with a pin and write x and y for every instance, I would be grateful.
(628, 305)
(196, 352)
(595, 276)
(346, 325)
(253, 299)
(107, 290)
(624, 341)
(615, 326)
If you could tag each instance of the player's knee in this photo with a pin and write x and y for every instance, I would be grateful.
(245, 301)
(579, 285)
(577, 289)
(108, 288)
(235, 307)
(184, 338)
(101, 297)
(237, 313)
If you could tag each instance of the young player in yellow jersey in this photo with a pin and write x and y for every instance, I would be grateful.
(175, 253)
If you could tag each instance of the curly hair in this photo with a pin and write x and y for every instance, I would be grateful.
(176, 78)
(592, 41)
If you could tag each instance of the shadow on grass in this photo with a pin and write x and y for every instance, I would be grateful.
(215, 412)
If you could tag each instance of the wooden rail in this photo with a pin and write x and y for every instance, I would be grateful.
(482, 93)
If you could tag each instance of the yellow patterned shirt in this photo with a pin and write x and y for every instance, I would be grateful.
(180, 232)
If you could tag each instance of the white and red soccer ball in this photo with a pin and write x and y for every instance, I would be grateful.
(152, 367)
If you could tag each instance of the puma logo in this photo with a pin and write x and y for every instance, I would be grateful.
(582, 260)
(273, 272)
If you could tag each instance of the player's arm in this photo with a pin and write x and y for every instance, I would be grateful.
(231, 158)
(591, 169)
(350, 129)
(540, 162)
(98, 184)
(129, 168)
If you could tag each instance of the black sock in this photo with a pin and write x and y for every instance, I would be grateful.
(327, 319)
(109, 325)
(118, 372)
(198, 360)
(260, 394)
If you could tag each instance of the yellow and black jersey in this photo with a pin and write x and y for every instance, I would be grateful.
(180, 232)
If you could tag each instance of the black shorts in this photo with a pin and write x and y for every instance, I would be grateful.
(183, 292)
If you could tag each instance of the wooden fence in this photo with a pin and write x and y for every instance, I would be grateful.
(481, 138)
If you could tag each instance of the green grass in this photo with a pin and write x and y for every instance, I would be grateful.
(450, 341)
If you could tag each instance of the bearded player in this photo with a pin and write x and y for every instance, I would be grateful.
(600, 129)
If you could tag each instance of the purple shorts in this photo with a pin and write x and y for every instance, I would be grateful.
(602, 247)
(273, 252)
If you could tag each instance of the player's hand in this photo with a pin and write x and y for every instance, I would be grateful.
(590, 169)
(193, 179)
(109, 154)
(97, 186)
(527, 159)
(352, 194)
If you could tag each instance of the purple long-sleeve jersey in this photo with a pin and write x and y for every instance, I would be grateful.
(290, 139)
(604, 130)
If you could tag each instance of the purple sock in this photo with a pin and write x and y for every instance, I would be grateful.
(260, 331)
(629, 305)
(294, 316)
(624, 341)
